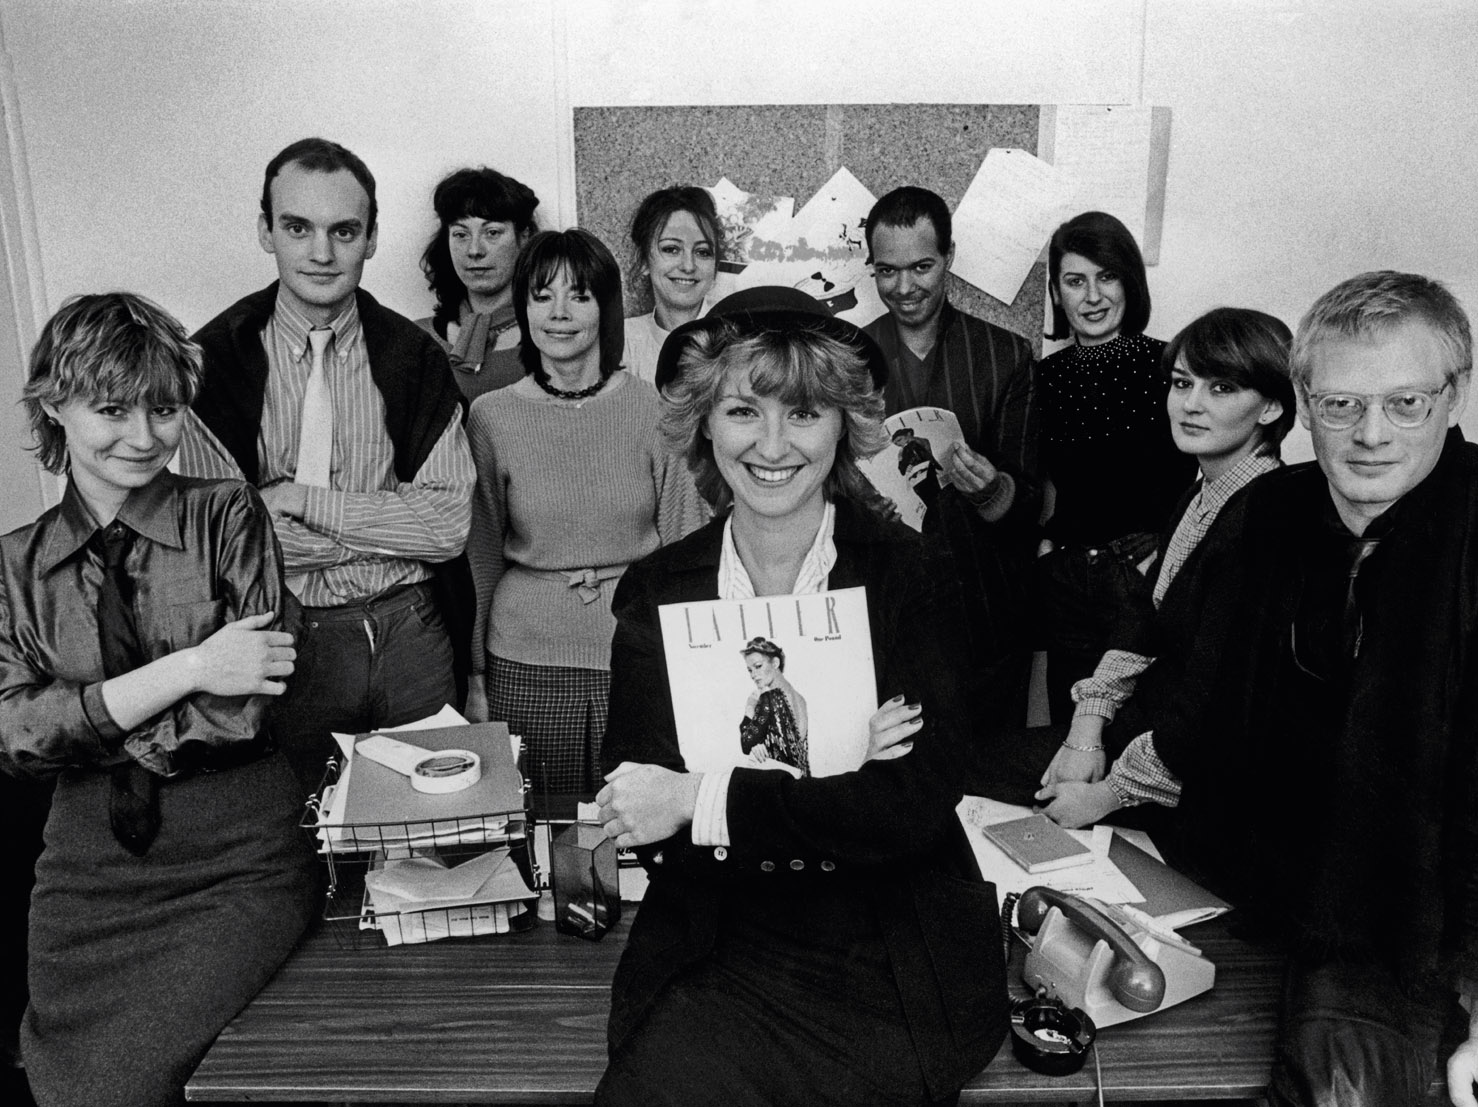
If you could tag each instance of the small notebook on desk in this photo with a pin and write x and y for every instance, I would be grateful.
(1038, 844)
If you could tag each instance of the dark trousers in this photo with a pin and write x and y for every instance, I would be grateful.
(1082, 594)
(373, 663)
(1349, 1036)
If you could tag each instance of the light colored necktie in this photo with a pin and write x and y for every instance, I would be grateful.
(316, 431)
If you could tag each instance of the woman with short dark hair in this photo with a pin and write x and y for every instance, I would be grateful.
(571, 488)
(484, 220)
(1230, 405)
(1113, 465)
(144, 629)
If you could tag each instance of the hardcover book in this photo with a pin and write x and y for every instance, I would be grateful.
(1038, 844)
(778, 682)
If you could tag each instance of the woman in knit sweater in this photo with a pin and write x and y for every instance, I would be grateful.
(571, 487)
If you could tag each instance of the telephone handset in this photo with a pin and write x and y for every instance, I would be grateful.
(1132, 978)
(1094, 957)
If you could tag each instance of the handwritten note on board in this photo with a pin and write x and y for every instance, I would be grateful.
(1005, 218)
(1118, 155)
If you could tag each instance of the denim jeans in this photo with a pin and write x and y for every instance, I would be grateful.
(374, 663)
(1082, 592)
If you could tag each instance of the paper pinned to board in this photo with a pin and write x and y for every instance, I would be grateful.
(1118, 155)
(1005, 218)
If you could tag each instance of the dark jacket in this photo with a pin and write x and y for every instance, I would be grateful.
(891, 823)
(410, 370)
(1345, 797)
(1186, 633)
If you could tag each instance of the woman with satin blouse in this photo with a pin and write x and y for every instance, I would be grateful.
(144, 629)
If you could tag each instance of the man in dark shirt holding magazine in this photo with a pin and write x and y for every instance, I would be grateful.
(939, 356)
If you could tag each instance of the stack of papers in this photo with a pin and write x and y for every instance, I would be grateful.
(410, 893)
(420, 899)
(372, 807)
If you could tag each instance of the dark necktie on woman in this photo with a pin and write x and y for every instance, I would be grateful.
(133, 805)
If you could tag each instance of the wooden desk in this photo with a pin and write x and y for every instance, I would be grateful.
(521, 1019)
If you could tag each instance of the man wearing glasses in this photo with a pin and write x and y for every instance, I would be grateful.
(1335, 773)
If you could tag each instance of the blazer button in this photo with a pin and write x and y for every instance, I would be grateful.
(657, 858)
(720, 853)
(828, 866)
(767, 866)
(797, 865)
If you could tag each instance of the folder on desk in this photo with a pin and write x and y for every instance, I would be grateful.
(1172, 898)
(378, 795)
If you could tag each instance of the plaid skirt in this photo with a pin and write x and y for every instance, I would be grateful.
(560, 713)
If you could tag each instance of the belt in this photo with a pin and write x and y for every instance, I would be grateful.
(387, 602)
(584, 581)
(201, 757)
(198, 757)
(1133, 547)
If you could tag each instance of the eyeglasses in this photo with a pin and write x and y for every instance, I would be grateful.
(1407, 408)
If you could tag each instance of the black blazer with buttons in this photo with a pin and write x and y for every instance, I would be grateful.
(891, 822)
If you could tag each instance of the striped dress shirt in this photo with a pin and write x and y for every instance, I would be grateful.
(367, 532)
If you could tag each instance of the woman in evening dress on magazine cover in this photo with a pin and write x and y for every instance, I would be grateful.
(802, 940)
(775, 725)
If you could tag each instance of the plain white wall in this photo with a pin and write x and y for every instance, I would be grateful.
(1311, 138)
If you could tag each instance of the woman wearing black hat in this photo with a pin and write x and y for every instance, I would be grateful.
(815, 940)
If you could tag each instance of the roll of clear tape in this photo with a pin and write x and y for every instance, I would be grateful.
(446, 771)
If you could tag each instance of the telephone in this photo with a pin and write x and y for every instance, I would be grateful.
(1096, 958)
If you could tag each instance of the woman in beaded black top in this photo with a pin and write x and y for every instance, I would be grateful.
(1114, 468)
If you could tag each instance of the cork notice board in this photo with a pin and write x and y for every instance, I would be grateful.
(623, 153)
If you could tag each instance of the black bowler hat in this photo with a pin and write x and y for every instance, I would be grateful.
(771, 307)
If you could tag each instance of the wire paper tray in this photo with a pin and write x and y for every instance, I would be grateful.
(350, 851)
(356, 924)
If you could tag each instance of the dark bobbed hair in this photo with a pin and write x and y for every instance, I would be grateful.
(1379, 301)
(112, 345)
(481, 193)
(903, 207)
(1107, 243)
(319, 155)
(588, 266)
(653, 213)
(765, 648)
(797, 364)
(1246, 348)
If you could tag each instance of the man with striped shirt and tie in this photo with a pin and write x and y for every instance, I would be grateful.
(346, 417)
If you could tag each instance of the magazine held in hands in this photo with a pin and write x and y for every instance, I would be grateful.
(910, 469)
(778, 682)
